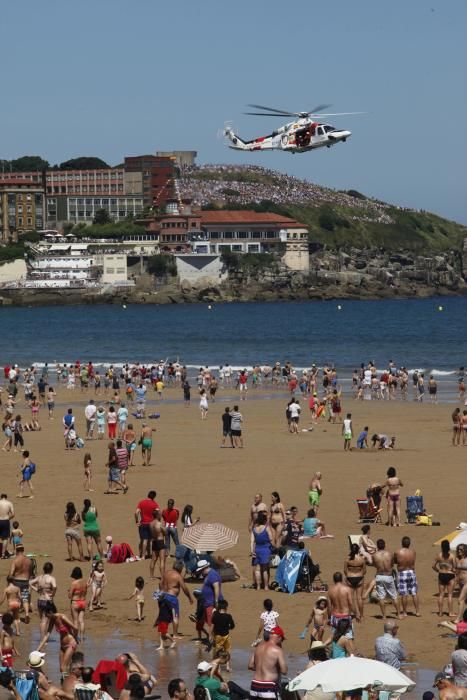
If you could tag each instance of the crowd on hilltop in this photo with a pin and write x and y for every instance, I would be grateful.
(282, 189)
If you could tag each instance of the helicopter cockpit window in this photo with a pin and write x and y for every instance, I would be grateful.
(320, 131)
(328, 128)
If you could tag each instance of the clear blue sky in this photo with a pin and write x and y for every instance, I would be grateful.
(113, 78)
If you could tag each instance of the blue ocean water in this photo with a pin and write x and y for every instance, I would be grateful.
(413, 333)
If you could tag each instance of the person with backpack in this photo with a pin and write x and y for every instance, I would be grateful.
(28, 468)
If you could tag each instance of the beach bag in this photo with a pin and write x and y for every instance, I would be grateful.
(79, 442)
(119, 553)
(32, 468)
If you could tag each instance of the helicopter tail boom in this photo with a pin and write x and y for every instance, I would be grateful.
(234, 141)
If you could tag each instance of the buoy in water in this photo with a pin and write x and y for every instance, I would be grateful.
(339, 307)
(440, 308)
(209, 306)
(123, 306)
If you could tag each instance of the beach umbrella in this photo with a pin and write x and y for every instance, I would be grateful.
(351, 673)
(451, 536)
(209, 537)
(460, 538)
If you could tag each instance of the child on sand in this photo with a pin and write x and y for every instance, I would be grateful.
(163, 621)
(27, 470)
(362, 440)
(97, 581)
(318, 618)
(268, 620)
(222, 623)
(16, 535)
(87, 472)
(347, 432)
(7, 643)
(138, 595)
(100, 415)
(12, 595)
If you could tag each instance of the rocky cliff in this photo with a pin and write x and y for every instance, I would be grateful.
(357, 274)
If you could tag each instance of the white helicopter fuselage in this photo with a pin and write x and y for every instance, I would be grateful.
(298, 136)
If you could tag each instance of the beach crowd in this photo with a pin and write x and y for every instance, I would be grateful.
(119, 409)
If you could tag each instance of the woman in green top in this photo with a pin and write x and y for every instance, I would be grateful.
(341, 645)
(91, 529)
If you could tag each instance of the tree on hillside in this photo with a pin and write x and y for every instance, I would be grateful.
(24, 164)
(101, 217)
(83, 163)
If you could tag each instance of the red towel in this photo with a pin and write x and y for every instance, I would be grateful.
(104, 668)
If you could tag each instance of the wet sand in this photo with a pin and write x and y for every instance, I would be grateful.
(189, 466)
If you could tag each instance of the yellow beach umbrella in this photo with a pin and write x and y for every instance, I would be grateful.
(448, 537)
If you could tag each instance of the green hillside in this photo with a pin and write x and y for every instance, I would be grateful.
(334, 218)
(416, 231)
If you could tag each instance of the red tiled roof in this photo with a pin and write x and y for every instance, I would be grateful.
(223, 216)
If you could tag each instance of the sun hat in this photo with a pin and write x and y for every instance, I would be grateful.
(204, 666)
(36, 659)
(322, 597)
(202, 564)
(317, 645)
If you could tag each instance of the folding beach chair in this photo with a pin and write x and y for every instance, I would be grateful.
(367, 511)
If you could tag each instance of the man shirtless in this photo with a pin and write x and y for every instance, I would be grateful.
(385, 587)
(268, 663)
(7, 513)
(257, 507)
(146, 444)
(341, 603)
(157, 534)
(315, 491)
(407, 584)
(172, 582)
(20, 573)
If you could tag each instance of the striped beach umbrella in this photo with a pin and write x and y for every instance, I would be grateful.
(209, 537)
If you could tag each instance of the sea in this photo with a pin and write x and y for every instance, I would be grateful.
(428, 334)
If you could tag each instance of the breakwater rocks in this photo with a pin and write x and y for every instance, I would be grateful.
(354, 274)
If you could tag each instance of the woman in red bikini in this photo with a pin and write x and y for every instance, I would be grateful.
(67, 631)
(77, 595)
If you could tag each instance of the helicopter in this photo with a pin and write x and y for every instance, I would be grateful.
(300, 135)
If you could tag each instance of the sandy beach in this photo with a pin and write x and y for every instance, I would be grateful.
(189, 466)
